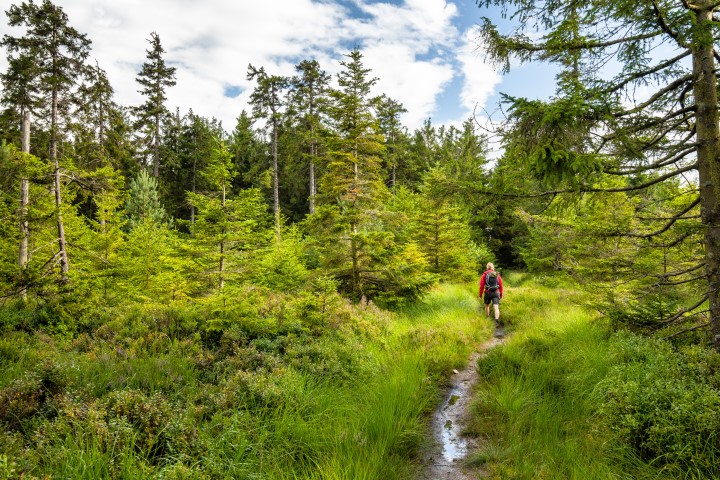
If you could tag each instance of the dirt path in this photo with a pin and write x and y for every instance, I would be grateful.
(443, 459)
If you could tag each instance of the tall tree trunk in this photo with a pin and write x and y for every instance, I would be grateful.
(708, 155)
(355, 263)
(156, 147)
(313, 154)
(194, 180)
(62, 243)
(276, 180)
(356, 177)
(394, 178)
(23, 252)
(221, 267)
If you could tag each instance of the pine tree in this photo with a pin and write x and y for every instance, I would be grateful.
(268, 100)
(59, 51)
(155, 78)
(144, 205)
(600, 125)
(388, 115)
(309, 100)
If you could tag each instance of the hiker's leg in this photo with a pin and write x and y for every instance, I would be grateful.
(496, 306)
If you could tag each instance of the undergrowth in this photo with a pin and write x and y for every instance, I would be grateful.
(283, 388)
(566, 398)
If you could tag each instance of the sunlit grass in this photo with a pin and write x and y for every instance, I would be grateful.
(534, 405)
(133, 403)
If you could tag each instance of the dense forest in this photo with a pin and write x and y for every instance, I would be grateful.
(213, 270)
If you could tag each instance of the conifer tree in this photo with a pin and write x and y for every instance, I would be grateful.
(309, 100)
(246, 149)
(189, 146)
(155, 78)
(19, 97)
(268, 100)
(92, 120)
(229, 228)
(144, 205)
(59, 52)
(388, 115)
(602, 124)
(354, 175)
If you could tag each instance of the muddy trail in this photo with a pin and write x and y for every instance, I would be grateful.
(443, 459)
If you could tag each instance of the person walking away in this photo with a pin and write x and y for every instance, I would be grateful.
(491, 291)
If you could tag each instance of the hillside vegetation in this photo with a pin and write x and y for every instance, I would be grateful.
(155, 394)
(566, 397)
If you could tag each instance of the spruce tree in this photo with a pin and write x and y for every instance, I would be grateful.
(155, 77)
(309, 101)
(59, 52)
(247, 151)
(602, 124)
(388, 113)
(268, 101)
(229, 228)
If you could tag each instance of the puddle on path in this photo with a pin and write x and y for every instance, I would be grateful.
(449, 446)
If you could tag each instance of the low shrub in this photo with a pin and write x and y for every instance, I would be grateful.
(663, 404)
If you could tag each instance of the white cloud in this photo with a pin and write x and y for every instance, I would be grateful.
(414, 83)
(412, 46)
(480, 78)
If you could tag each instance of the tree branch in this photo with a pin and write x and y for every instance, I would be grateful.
(697, 327)
(682, 272)
(670, 87)
(684, 310)
(644, 73)
(664, 26)
(669, 224)
(633, 188)
(680, 282)
(662, 162)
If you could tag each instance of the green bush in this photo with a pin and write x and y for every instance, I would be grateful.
(662, 403)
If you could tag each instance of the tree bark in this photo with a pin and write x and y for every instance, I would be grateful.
(62, 243)
(23, 251)
(276, 179)
(708, 139)
(222, 243)
(156, 147)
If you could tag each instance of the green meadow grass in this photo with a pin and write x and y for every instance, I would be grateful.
(144, 406)
(534, 406)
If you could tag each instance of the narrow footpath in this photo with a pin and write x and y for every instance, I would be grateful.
(444, 457)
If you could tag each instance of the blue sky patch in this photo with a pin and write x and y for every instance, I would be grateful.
(232, 91)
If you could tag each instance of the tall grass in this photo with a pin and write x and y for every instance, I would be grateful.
(130, 402)
(384, 422)
(535, 403)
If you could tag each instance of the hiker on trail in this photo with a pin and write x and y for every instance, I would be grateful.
(491, 291)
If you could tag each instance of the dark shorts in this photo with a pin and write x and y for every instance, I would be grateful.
(491, 297)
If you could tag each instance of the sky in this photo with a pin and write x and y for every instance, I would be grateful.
(424, 53)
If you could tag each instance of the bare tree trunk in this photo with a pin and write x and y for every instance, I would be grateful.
(194, 181)
(23, 251)
(62, 243)
(313, 155)
(276, 180)
(221, 267)
(313, 188)
(357, 290)
(708, 155)
(394, 178)
(156, 148)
